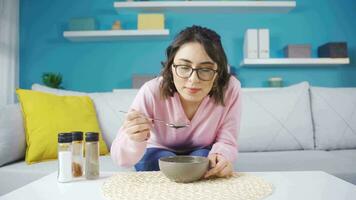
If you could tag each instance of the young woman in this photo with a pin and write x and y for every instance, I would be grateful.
(194, 88)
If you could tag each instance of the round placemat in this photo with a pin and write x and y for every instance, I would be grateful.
(154, 185)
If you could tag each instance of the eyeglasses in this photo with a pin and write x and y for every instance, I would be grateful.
(204, 74)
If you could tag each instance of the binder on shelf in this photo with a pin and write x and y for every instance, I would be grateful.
(250, 45)
(263, 43)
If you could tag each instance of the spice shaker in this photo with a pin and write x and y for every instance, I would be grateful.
(64, 157)
(77, 154)
(91, 155)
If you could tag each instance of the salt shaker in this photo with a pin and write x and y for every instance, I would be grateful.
(77, 154)
(64, 157)
(91, 155)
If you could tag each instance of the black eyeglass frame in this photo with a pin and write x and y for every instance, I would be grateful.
(194, 69)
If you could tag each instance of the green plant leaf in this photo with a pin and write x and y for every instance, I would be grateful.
(52, 80)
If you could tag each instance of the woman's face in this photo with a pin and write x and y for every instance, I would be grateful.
(192, 88)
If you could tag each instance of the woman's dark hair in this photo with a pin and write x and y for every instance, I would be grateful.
(211, 42)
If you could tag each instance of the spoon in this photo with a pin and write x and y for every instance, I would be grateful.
(176, 125)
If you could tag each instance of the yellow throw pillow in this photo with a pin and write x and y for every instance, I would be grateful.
(45, 115)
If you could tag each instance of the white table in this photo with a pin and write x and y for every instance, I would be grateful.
(304, 185)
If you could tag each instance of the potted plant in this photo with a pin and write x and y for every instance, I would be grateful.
(52, 80)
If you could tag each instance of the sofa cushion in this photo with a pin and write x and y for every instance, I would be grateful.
(12, 134)
(293, 135)
(45, 115)
(347, 153)
(278, 119)
(338, 163)
(334, 115)
(283, 114)
(107, 105)
(127, 97)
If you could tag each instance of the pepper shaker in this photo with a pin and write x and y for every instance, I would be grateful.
(91, 155)
(77, 146)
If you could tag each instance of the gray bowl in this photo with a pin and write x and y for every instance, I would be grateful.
(184, 169)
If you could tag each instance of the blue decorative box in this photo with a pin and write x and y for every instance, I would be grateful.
(82, 24)
(333, 50)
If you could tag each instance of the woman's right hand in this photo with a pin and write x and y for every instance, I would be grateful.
(137, 126)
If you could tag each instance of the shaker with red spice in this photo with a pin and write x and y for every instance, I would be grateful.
(77, 154)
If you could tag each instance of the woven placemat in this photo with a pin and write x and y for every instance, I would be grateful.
(154, 185)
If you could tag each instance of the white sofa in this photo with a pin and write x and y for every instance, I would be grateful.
(293, 128)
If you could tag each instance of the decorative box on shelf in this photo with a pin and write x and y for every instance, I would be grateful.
(150, 21)
(82, 24)
(297, 51)
(333, 50)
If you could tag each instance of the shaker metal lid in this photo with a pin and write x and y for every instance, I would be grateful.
(77, 135)
(91, 136)
(64, 137)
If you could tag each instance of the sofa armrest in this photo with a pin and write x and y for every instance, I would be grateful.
(12, 134)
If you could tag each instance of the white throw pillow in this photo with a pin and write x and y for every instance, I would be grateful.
(107, 105)
(278, 119)
(334, 115)
(12, 134)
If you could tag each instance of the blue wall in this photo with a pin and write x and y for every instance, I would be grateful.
(102, 66)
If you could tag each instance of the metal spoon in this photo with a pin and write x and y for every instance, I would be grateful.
(172, 125)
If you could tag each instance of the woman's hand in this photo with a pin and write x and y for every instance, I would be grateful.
(137, 126)
(219, 166)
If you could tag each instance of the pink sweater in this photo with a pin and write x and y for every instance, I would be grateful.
(212, 125)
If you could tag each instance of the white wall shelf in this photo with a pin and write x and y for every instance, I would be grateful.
(284, 62)
(208, 6)
(109, 35)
